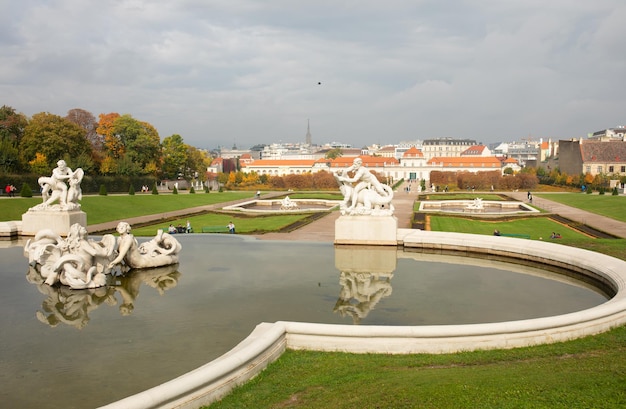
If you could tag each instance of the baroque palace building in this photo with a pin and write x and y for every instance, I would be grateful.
(413, 165)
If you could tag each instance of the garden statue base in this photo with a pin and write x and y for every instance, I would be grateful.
(365, 229)
(59, 221)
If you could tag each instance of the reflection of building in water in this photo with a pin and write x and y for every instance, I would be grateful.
(72, 307)
(361, 292)
(366, 273)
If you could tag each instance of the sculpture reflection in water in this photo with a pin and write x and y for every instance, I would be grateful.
(360, 293)
(64, 305)
(365, 278)
(79, 262)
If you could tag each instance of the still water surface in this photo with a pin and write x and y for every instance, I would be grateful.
(83, 349)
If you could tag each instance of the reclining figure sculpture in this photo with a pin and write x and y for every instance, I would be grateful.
(80, 262)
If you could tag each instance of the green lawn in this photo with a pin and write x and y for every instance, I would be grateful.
(247, 225)
(102, 209)
(606, 205)
(538, 228)
(585, 373)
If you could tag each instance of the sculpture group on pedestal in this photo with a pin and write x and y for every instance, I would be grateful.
(80, 262)
(362, 193)
(62, 187)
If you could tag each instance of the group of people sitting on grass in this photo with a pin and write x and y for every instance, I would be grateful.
(180, 228)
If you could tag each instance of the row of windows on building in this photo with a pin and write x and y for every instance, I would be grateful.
(611, 169)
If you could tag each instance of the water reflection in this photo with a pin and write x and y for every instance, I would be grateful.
(365, 279)
(71, 307)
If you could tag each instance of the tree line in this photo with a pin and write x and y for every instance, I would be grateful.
(112, 145)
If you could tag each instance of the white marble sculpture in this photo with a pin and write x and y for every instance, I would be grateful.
(363, 193)
(162, 250)
(288, 204)
(80, 263)
(61, 191)
(75, 261)
(477, 204)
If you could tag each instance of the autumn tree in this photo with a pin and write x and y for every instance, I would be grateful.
(135, 145)
(12, 127)
(323, 180)
(106, 130)
(87, 121)
(55, 138)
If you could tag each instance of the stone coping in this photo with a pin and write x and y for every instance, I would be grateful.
(268, 341)
(503, 207)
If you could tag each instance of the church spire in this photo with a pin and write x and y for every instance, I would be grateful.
(308, 133)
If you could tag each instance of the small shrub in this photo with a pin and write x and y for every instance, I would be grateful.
(103, 190)
(206, 189)
(589, 190)
(175, 191)
(155, 191)
(26, 191)
(601, 191)
(192, 190)
(131, 190)
(615, 192)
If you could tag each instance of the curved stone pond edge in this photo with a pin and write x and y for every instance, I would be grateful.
(268, 341)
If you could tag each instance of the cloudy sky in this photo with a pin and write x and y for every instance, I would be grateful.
(224, 72)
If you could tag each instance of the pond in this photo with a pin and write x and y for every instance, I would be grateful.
(77, 349)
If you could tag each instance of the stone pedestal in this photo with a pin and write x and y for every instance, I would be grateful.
(57, 221)
(364, 229)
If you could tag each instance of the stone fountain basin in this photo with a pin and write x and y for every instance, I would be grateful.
(274, 206)
(269, 340)
(465, 206)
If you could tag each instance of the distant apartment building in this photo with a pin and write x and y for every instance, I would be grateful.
(445, 147)
(523, 151)
(610, 134)
(593, 156)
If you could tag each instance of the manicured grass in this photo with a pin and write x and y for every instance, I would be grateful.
(585, 373)
(606, 205)
(536, 227)
(102, 209)
(260, 224)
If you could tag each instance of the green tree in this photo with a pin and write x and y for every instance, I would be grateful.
(55, 138)
(136, 142)
(334, 153)
(174, 155)
(12, 127)
(197, 163)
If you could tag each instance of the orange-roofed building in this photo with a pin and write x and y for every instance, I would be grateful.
(477, 150)
(279, 167)
(467, 163)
